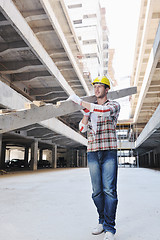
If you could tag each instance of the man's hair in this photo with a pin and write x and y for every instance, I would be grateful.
(106, 86)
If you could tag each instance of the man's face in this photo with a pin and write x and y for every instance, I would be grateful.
(100, 90)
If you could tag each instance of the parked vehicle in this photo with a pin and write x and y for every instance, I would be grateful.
(61, 162)
(7, 162)
(44, 164)
(16, 163)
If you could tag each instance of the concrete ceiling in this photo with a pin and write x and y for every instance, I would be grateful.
(25, 68)
(39, 59)
(26, 136)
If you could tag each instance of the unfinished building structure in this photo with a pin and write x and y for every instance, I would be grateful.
(146, 76)
(40, 60)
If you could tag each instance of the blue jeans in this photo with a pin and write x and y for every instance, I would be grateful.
(103, 167)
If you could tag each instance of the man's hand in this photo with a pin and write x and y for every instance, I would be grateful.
(85, 112)
(75, 99)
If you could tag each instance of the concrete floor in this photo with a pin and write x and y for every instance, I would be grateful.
(57, 205)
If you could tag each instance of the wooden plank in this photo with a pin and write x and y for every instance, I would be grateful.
(35, 103)
(7, 111)
(39, 103)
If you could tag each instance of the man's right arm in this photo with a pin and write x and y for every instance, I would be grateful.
(83, 124)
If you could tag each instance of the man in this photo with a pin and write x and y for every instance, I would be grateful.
(102, 153)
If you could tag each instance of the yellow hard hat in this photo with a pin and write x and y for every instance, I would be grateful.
(103, 80)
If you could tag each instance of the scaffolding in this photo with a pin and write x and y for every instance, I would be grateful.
(126, 145)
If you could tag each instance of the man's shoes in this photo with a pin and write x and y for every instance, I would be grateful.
(109, 236)
(98, 230)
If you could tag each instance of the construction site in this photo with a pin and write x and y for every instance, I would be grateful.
(47, 52)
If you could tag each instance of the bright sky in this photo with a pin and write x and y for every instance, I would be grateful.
(122, 20)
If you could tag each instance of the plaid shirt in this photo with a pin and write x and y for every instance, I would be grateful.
(105, 136)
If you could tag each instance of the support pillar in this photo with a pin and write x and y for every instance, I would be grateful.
(41, 154)
(84, 161)
(8, 154)
(137, 160)
(54, 156)
(73, 164)
(77, 158)
(154, 159)
(34, 155)
(68, 158)
(149, 159)
(26, 153)
(1, 160)
(2, 153)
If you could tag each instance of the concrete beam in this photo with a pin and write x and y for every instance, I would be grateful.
(64, 130)
(11, 13)
(54, 21)
(34, 12)
(4, 23)
(22, 118)
(38, 132)
(36, 17)
(41, 30)
(51, 136)
(20, 66)
(152, 125)
(9, 98)
(57, 54)
(152, 63)
(143, 39)
(13, 46)
(46, 91)
(31, 76)
(52, 96)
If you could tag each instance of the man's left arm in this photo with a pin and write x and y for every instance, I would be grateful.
(101, 110)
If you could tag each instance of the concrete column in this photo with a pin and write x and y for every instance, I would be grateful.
(69, 157)
(84, 158)
(34, 155)
(41, 154)
(149, 159)
(137, 160)
(54, 156)
(77, 158)
(26, 153)
(3, 154)
(154, 159)
(1, 151)
(158, 160)
(81, 158)
(73, 158)
(8, 154)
